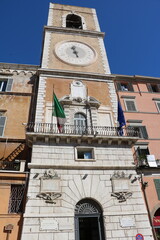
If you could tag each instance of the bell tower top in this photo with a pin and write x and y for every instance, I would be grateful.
(73, 41)
(72, 17)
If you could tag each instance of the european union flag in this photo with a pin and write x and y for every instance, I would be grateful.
(121, 119)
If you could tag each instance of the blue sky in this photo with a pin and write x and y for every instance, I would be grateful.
(132, 30)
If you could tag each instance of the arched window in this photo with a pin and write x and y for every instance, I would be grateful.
(88, 221)
(74, 21)
(80, 123)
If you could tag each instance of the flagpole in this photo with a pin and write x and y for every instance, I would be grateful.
(52, 107)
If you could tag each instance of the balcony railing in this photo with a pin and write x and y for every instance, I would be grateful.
(49, 128)
(16, 165)
(11, 166)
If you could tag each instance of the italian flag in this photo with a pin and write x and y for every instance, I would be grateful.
(58, 112)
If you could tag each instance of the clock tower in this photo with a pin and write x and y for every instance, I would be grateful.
(81, 175)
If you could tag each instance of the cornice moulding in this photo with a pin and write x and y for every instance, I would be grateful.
(74, 31)
(73, 167)
(15, 66)
(73, 74)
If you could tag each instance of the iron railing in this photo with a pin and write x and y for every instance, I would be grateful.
(49, 128)
(10, 165)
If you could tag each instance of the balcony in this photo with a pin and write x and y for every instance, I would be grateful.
(49, 131)
(16, 165)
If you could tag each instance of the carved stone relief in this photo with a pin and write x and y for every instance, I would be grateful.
(120, 186)
(50, 186)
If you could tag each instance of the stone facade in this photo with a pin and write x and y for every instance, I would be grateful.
(86, 172)
(73, 187)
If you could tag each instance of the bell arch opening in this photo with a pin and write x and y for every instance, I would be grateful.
(88, 220)
(74, 21)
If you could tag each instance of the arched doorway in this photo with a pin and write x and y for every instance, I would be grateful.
(156, 223)
(88, 221)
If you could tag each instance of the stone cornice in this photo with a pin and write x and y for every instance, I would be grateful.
(15, 66)
(15, 93)
(74, 74)
(32, 138)
(135, 78)
(75, 167)
(72, 31)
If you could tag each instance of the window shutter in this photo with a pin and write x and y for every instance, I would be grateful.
(158, 105)
(157, 186)
(2, 123)
(130, 105)
(143, 132)
(158, 85)
(130, 87)
(9, 85)
(149, 87)
(119, 86)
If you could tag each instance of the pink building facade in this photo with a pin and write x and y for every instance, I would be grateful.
(140, 100)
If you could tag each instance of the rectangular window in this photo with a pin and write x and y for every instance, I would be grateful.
(141, 154)
(16, 199)
(157, 186)
(153, 87)
(130, 105)
(5, 85)
(2, 123)
(84, 153)
(125, 86)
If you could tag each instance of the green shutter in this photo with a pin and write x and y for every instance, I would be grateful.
(130, 87)
(119, 86)
(158, 105)
(9, 85)
(130, 105)
(149, 87)
(157, 186)
(143, 132)
(2, 124)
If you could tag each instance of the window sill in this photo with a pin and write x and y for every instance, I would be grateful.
(85, 160)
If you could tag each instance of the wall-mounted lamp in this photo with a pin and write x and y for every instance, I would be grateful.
(144, 185)
(84, 177)
(133, 180)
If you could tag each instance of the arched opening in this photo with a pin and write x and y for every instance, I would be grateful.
(88, 221)
(156, 223)
(74, 21)
(80, 123)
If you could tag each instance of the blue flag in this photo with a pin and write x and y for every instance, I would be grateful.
(121, 118)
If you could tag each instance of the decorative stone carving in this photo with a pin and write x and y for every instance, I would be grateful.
(122, 196)
(49, 197)
(78, 90)
(85, 208)
(120, 186)
(49, 174)
(50, 186)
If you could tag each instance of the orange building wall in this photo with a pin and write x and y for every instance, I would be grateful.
(61, 88)
(6, 179)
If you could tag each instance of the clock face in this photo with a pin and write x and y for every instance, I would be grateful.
(75, 53)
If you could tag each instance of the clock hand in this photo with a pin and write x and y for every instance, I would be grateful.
(74, 51)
